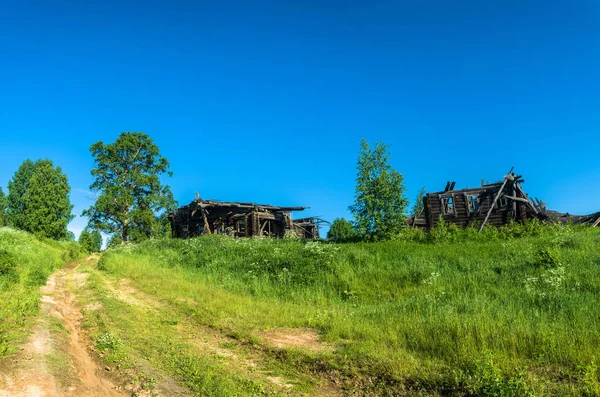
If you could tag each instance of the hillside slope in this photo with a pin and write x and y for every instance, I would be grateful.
(25, 264)
(495, 315)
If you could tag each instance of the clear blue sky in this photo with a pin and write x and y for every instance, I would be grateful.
(267, 101)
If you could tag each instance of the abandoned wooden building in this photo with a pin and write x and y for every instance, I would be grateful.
(492, 203)
(241, 220)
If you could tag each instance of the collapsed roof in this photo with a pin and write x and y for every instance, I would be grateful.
(241, 219)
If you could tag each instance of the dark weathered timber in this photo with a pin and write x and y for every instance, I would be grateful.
(240, 219)
(495, 204)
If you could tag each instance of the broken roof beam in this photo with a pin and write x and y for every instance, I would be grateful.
(208, 203)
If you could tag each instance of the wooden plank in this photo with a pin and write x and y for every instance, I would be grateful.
(528, 201)
(515, 199)
(494, 203)
(467, 205)
(454, 204)
(206, 224)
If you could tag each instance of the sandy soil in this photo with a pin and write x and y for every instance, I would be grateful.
(34, 374)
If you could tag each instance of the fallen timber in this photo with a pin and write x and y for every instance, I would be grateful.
(241, 219)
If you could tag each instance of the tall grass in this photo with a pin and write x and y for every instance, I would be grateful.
(512, 314)
(25, 264)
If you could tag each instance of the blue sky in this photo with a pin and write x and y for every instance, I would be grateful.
(267, 101)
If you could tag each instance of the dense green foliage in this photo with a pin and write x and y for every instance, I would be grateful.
(379, 202)
(341, 230)
(505, 312)
(25, 264)
(90, 240)
(2, 208)
(17, 187)
(132, 199)
(38, 200)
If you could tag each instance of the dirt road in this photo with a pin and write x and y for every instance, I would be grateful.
(55, 361)
(58, 358)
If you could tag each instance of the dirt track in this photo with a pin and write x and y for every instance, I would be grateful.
(55, 360)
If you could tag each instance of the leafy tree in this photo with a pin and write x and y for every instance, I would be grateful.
(38, 200)
(131, 198)
(341, 230)
(91, 240)
(15, 214)
(2, 208)
(379, 202)
(418, 206)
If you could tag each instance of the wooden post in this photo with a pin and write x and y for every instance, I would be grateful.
(506, 178)
(206, 225)
(514, 200)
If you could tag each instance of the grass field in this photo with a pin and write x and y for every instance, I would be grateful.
(510, 312)
(25, 264)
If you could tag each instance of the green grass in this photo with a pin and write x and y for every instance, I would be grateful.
(127, 335)
(508, 316)
(25, 264)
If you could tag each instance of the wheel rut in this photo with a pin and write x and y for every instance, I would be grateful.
(55, 360)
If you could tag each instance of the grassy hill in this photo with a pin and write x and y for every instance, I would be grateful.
(461, 314)
(25, 264)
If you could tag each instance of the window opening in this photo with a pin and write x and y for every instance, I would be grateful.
(473, 203)
(448, 206)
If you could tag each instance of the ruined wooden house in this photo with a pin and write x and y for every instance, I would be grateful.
(241, 220)
(495, 204)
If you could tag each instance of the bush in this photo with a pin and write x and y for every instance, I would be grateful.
(548, 258)
(487, 380)
(73, 251)
(8, 264)
(341, 230)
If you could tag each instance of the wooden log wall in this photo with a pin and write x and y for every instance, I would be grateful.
(462, 216)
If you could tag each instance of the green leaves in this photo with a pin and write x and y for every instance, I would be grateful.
(379, 201)
(90, 240)
(341, 230)
(2, 208)
(131, 196)
(38, 200)
(418, 205)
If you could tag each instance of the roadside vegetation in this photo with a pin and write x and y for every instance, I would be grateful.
(507, 312)
(25, 264)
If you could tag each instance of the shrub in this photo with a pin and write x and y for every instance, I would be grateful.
(548, 258)
(107, 341)
(341, 230)
(8, 263)
(487, 379)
